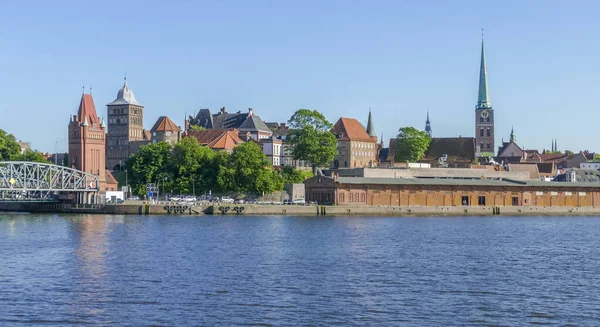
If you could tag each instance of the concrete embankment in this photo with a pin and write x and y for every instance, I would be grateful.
(141, 208)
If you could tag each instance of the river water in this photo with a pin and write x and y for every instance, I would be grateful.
(298, 271)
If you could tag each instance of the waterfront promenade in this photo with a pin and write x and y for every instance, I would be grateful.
(175, 209)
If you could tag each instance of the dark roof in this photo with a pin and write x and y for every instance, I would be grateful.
(383, 155)
(457, 148)
(254, 124)
(203, 118)
(224, 120)
(581, 176)
(391, 150)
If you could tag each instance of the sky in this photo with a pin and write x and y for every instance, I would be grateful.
(401, 58)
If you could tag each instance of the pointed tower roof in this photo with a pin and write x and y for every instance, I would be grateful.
(370, 127)
(87, 110)
(512, 135)
(125, 96)
(164, 124)
(85, 122)
(483, 100)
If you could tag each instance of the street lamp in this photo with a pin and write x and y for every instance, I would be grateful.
(194, 185)
(126, 183)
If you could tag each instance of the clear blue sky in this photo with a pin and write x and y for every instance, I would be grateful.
(401, 57)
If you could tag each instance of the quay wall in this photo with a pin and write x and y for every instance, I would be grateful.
(291, 210)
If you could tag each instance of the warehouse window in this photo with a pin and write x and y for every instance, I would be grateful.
(481, 200)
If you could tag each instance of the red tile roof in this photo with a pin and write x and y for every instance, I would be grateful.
(87, 109)
(217, 139)
(351, 129)
(164, 124)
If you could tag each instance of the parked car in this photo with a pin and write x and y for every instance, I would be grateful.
(190, 199)
(133, 198)
(175, 198)
(299, 201)
(227, 199)
(240, 201)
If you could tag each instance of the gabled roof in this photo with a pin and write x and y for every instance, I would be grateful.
(147, 135)
(217, 139)
(254, 124)
(224, 120)
(164, 124)
(87, 110)
(350, 129)
(110, 179)
(457, 148)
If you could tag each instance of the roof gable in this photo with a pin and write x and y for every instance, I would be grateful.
(164, 124)
(350, 129)
(87, 110)
(511, 149)
(254, 124)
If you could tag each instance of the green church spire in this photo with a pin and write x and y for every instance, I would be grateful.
(370, 127)
(483, 101)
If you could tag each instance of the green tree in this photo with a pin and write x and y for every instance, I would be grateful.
(310, 138)
(192, 164)
(9, 148)
(33, 156)
(151, 164)
(290, 175)
(248, 170)
(411, 144)
(197, 128)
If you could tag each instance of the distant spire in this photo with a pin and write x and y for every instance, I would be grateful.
(125, 84)
(512, 134)
(428, 125)
(83, 89)
(90, 89)
(102, 123)
(370, 127)
(85, 122)
(483, 99)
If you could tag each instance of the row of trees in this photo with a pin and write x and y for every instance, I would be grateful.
(188, 167)
(10, 150)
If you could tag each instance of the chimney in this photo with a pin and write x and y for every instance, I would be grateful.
(250, 113)
(187, 124)
(223, 111)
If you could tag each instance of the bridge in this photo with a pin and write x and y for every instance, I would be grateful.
(23, 181)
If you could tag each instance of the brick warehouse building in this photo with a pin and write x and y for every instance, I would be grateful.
(349, 191)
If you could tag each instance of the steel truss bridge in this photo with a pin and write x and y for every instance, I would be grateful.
(39, 182)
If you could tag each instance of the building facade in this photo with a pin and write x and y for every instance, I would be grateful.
(165, 130)
(87, 137)
(484, 112)
(125, 124)
(356, 191)
(273, 149)
(355, 147)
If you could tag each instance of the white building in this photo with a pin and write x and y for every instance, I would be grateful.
(273, 149)
(590, 165)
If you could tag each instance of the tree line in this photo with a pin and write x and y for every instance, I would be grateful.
(10, 150)
(188, 167)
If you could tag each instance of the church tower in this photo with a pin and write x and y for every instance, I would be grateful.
(428, 125)
(125, 124)
(87, 134)
(370, 127)
(484, 112)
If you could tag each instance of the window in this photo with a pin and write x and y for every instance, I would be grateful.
(488, 119)
(488, 145)
(341, 197)
(488, 132)
(481, 146)
(481, 119)
(515, 201)
(351, 197)
(465, 200)
(481, 200)
(481, 132)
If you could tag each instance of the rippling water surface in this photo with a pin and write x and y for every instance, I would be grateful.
(298, 271)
